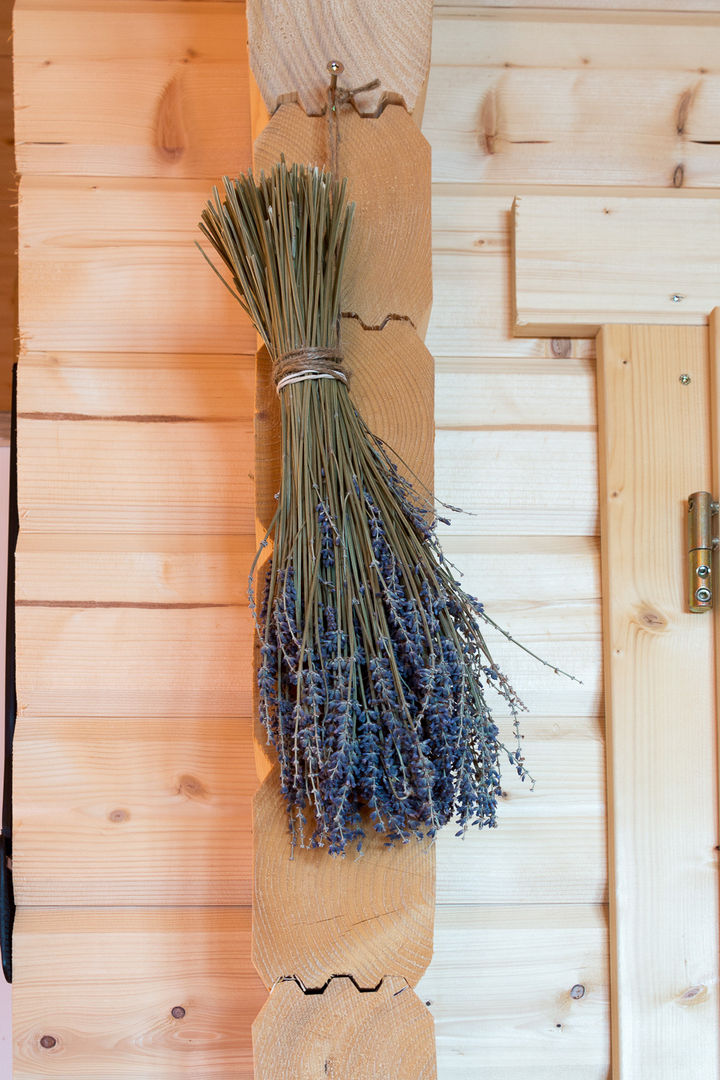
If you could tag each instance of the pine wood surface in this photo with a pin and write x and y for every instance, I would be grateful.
(563, 97)
(384, 925)
(502, 1017)
(131, 239)
(315, 917)
(291, 45)
(131, 88)
(343, 1032)
(583, 262)
(8, 215)
(103, 984)
(391, 277)
(660, 681)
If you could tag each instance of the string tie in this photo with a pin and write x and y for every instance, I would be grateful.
(308, 362)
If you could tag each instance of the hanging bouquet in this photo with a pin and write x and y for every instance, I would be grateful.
(374, 670)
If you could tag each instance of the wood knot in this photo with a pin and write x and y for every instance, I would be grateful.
(191, 788)
(561, 347)
(48, 1042)
(694, 995)
(118, 816)
(651, 619)
(170, 133)
(178, 1012)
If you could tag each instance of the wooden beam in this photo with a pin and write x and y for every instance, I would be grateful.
(655, 451)
(344, 1033)
(580, 263)
(291, 44)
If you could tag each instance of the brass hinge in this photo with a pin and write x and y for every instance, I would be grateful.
(701, 543)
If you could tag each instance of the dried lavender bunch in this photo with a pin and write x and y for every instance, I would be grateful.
(374, 669)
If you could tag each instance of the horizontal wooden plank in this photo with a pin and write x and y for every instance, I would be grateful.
(472, 310)
(517, 392)
(136, 385)
(111, 265)
(133, 811)
(582, 262)
(122, 568)
(107, 999)
(161, 662)
(574, 100)
(134, 476)
(494, 477)
(550, 844)
(520, 990)
(131, 89)
(633, 8)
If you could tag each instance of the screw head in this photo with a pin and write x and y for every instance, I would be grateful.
(703, 571)
(677, 297)
(703, 595)
(685, 379)
(335, 67)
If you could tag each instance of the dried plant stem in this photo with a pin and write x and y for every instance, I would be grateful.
(374, 668)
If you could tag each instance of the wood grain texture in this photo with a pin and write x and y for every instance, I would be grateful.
(583, 262)
(501, 990)
(389, 261)
(161, 570)
(344, 1033)
(200, 660)
(472, 314)
(145, 810)
(110, 265)
(553, 98)
(130, 89)
(290, 46)
(132, 476)
(660, 689)
(315, 916)
(115, 977)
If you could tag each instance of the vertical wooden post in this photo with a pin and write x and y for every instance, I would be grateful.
(324, 924)
(659, 667)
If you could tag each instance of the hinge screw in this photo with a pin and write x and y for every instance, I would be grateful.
(685, 379)
(702, 595)
(703, 571)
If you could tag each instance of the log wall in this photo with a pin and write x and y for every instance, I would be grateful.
(134, 767)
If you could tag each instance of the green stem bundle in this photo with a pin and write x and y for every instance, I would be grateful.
(374, 669)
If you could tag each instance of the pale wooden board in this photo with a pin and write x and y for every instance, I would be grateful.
(344, 1033)
(162, 662)
(563, 98)
(315, 916)
(290, 46)
(131, 89)
(582, 262)
(652, 7)
(515, 393)
(104, 983)
(136, 386)
(493, 476)
(110, 265)
(655, 450)
(472, 314)
(133, 476)
(550, 844)
(122, 568)
(389, 262)
(499, 989)
(133, 811)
